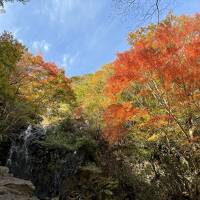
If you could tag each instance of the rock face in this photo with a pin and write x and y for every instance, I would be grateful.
(72, 170)
(4, 150)
(13, 188)
(45, 166)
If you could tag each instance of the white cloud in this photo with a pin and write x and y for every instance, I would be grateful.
(41, 46)
(58, 10)
(68, 60)
(66, 11)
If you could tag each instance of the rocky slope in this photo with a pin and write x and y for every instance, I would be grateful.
(60, 161)
(45, 165)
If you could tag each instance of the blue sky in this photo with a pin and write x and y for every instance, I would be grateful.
(78, 35)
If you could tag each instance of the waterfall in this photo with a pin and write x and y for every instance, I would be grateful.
(11, 152)
(18, 161)
(26, 136)
(27, 132)
(16, 148)
(47, 166)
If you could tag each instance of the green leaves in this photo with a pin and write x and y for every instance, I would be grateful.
(30, 87)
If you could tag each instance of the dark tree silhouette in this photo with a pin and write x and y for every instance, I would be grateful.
(2, 2)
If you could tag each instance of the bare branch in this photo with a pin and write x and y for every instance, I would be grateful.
(143, 9)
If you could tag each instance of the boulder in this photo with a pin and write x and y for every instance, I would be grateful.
(14, 188)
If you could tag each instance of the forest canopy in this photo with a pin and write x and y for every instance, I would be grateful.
(136, 120)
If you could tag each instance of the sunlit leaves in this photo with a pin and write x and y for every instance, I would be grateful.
(29, 86)
(164, 63)
(116, 115)
(44, 84)
(91, 100)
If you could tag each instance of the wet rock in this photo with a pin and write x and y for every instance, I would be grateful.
(4, 151)
(46, 166)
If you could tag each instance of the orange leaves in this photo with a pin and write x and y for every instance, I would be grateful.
(51, 68)
(46, 70)
(167, 53)
(157, 121)
(115, 117)
(77, 112)
(170, 54)
(119, 112)
(42, 71)
(165, 63)
(43, 83)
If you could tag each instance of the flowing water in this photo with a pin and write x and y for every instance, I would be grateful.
(45, 166)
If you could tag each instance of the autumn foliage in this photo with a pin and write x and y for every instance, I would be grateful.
(116, 115)
(29, 86)
(164, 65)
(135, 120)
(43, 83)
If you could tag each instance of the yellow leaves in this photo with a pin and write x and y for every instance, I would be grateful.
(196, 95)
(43, 85)
(153, 138)
(164, 64)
(142, 33)
(89, 91)
(158, 121)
